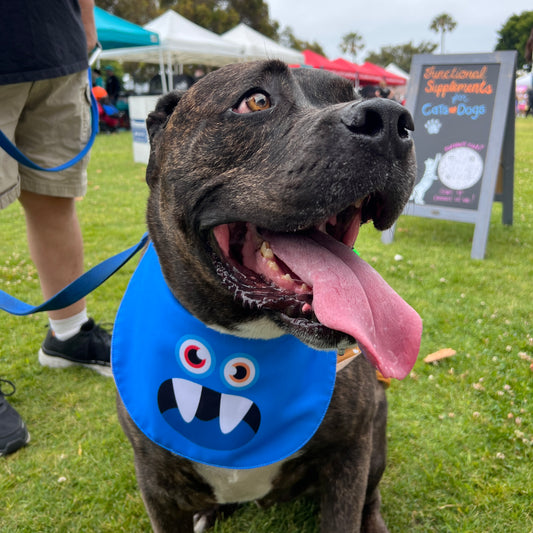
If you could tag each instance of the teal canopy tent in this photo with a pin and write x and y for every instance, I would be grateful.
(114, 32)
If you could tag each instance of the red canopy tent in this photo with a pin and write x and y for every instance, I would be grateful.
(389, 77)
(364, 76)
(312, 59)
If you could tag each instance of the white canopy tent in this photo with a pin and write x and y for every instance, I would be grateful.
(189, 43)
(181, 42)
(525, 80)
(395, 69)
(256, 46)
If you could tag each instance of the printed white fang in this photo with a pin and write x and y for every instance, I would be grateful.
(232, 410)
(187, 396)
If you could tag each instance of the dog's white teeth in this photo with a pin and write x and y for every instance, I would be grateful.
(187, 396)
(268, 254)
(232, 410)
(266, 251)
(359, 203)
(273, 266)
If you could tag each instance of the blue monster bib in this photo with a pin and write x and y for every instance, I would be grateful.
(213, 398)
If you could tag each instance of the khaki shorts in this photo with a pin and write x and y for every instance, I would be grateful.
(50, 123)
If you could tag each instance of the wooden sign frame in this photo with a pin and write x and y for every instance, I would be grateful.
(456, 100)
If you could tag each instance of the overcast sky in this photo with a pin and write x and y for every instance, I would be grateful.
(392, 22)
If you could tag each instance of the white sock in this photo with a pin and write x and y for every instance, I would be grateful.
(65, 328)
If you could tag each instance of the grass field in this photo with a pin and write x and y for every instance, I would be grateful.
(460, 432)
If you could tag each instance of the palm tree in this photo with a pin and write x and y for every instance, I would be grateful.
(352, 43)
(442, 23)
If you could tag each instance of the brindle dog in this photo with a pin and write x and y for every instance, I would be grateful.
(256, 153)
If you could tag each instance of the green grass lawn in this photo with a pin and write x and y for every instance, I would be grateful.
(460, 431)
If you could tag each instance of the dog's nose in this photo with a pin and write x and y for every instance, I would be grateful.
(385, 124)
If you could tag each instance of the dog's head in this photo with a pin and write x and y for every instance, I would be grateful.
(260, 177)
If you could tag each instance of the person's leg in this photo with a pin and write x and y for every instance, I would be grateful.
(56, 248)
(55, 243)
(53, 128)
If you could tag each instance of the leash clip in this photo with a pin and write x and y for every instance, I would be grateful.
(95, 54)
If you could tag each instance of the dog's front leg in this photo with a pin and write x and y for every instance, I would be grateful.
(160, 500)
(159, 478)
(347, 504)
(165, 516)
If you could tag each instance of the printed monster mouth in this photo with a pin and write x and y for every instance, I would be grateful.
(207, 417)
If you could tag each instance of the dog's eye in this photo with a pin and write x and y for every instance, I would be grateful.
(240, 372)
(194, 356)
(255, 102)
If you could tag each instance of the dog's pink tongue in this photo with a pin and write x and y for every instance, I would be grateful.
(350, 296)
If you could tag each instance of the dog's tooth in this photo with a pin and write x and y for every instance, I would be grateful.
(232, 410)
(187, 396)
(287, 277)
(359, 203)
(273, 266)
(266, 251)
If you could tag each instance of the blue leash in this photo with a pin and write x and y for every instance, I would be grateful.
(77, 289)
(15, 153)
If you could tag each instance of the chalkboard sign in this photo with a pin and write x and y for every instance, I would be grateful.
(463, 110)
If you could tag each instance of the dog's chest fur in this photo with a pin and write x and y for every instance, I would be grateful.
(230, 485)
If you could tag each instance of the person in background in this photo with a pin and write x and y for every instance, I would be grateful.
(383, 91)
(199, 73)
(45, 111)
(368, 91)
(529, 108)
(98, 81)
(112, 85)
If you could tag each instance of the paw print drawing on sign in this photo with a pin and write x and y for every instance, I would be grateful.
(433, 126)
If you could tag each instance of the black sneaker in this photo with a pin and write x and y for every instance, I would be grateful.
(13, 431)
(91, 348)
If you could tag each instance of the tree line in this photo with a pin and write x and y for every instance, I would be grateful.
(220, 16)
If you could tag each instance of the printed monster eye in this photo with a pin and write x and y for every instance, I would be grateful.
(194, 356)
(255, 102)
(240, 372)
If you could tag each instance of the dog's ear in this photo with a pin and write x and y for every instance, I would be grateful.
(155, 123)
(165, 106)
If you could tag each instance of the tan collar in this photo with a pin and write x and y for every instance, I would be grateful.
(349, 355)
